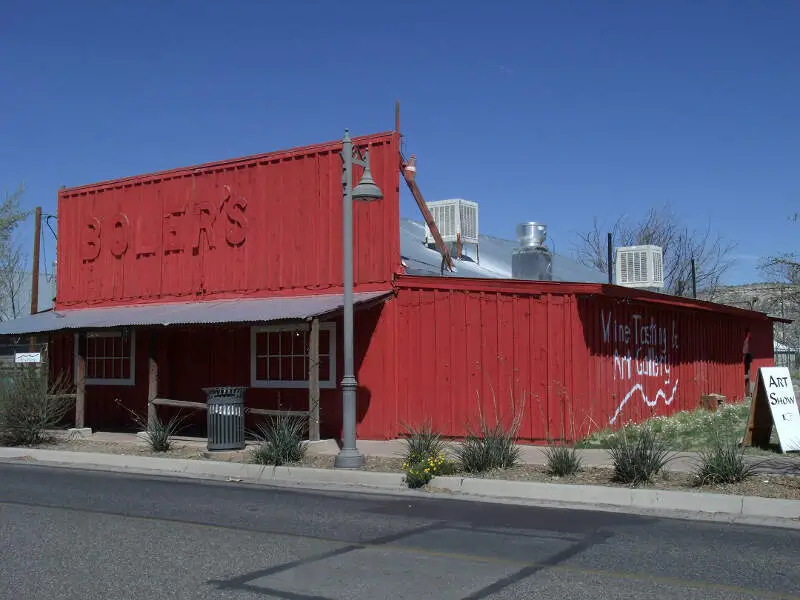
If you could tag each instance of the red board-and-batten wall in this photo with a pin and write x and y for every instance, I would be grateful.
(574, 357)
(432, 352)
(275, 224)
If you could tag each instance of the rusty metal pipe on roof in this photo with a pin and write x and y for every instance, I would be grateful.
(409, 170)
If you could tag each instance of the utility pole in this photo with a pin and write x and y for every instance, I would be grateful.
(35, 275)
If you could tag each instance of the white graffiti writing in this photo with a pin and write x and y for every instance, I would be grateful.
(642, 350)
(638, 388)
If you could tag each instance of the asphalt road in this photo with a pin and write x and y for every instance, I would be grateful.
(86, 534)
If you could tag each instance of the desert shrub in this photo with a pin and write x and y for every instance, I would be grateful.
(490, 447)
(29, 407)
(422, 443)
(157, 433)
(280, 441)
(639, 458)
(724, 462)
(487, 447)
(562, 461)
(421, 472)
(425, 456)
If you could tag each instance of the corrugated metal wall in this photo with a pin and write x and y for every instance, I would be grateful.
(260, 225)
(572, 362)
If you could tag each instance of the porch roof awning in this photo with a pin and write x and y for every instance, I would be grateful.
(208, 312)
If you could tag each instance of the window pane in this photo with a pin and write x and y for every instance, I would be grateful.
(274, 373)
(104, 348)
(299, 345)
(324, 368)
(108, 356)
(261, 344)
(286, 343)
(261, 368)
(286, 368)
(324, 341)
(299, 369)
(274, 343)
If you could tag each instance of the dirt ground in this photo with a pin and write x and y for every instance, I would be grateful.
(763, 485)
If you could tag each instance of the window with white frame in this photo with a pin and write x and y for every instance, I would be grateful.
(109, 357)
(279, 356)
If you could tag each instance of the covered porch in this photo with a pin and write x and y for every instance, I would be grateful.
(155, 359)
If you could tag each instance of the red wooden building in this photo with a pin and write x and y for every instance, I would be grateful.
(230, 273)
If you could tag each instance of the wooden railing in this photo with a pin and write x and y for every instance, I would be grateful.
(254, 411)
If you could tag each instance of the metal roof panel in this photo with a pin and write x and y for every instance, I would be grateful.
(240, 310)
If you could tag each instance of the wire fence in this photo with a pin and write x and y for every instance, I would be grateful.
(787, 358)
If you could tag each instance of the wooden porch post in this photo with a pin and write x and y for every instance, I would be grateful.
(152, 379)
(313, 382)
(80, 383)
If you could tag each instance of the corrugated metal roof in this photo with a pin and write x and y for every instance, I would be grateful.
(495, 259)
(246, 310)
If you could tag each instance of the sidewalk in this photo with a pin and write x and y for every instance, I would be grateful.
(683, 462)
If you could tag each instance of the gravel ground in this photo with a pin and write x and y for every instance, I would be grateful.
(767, 486)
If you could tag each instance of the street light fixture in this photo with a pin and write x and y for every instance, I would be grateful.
(349, 457)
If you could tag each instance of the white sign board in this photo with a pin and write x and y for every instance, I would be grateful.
(27, 357)
(783, 404)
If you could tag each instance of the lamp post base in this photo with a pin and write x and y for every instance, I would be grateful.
(349, 458)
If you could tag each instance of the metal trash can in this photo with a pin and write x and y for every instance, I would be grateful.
(225, 417)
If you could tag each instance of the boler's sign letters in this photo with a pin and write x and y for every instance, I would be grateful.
(195, 226)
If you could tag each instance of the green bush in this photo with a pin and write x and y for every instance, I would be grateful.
(157, 433)
(280, 441)
(421, 471)
(422, 443)
(489, 448)
(29, 406)
(562, 461)
(638, 459)
(723, 463)
(425, 456)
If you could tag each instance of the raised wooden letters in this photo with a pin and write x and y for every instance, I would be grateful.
(236, 227)
(183, 227)
(120, 232)
(90, 239)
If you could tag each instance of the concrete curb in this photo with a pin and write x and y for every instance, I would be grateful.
(692, 505)
(209, 469)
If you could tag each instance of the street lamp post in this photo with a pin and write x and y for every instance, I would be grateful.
(349, 457)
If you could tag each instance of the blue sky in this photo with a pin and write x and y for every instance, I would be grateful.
(549, 111)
